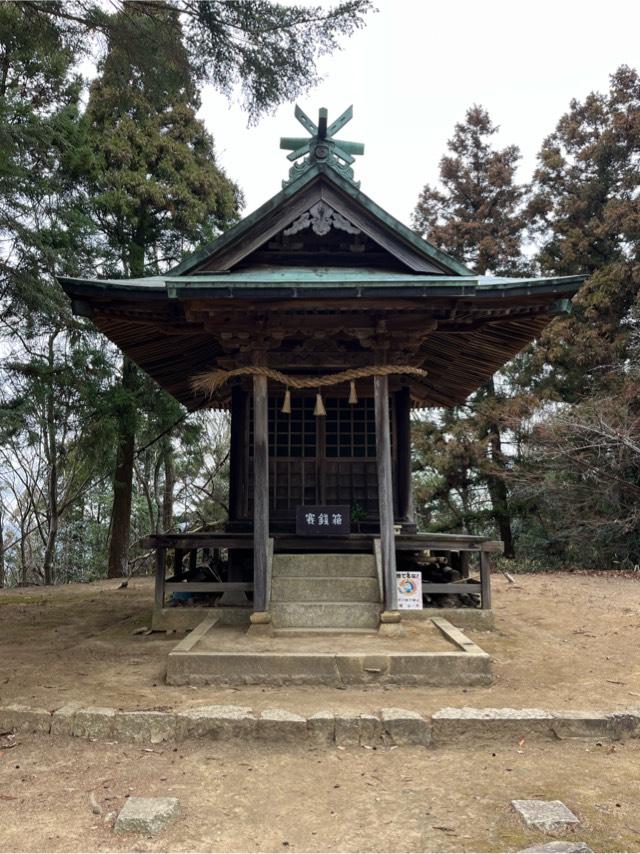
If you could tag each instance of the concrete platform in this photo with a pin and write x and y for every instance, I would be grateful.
(431, 653)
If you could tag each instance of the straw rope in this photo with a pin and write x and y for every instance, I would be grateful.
(212, 380)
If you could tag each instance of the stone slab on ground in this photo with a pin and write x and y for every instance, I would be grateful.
(321, 728)
(146, 815)
(549, 816)
(94, 722)
(19, 718)
(145, 727)
(559, 846)
(405, 727)
(219, 722)
(280, 725)
(451, 725)
(63, 718)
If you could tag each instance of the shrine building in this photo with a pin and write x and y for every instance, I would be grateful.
(318, 322)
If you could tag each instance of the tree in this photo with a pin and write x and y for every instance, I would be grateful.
(155, 190)
(476, 215)
(585, 217)
(46, 367)
(578, 477)
(267, 50)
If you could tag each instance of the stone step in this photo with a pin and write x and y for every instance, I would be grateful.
(313, 588)
(328, 565)
(330, 615)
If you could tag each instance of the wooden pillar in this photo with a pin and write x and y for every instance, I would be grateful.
(485, 580)
(260, 493)
(160, 572)
(385, 492)
(403, 456)
(236, 452)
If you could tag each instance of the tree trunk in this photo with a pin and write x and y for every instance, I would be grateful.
(497, 487)
(51, 451)
(169, 485)
(2, 561)
(123, 478)
(500, 502)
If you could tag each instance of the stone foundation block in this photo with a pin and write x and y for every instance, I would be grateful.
(558, 846)
(371, 733)
(623, 725)
(219, 722)
(94, 722)
(321, 728)
(146, 815)
(348, 729)
(280, 725)
(145, 727)
(63, 719)
(460, 725)
(18, 718)
(402, 726)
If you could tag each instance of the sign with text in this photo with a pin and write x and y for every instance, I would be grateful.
(327, 520)
(409, 591)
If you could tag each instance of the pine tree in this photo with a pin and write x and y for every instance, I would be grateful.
(155, 190)
(579, 478)
(476, 215)
(585, 216)
(266, 50)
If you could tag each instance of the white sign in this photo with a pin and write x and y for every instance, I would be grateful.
(409, 591)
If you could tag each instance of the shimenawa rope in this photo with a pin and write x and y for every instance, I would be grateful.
(212, 380)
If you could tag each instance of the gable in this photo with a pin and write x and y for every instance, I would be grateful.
(321, 218)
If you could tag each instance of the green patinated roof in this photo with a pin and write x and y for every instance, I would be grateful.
(313, 279)
(325, 172)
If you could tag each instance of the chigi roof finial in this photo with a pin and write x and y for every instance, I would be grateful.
(321, 147)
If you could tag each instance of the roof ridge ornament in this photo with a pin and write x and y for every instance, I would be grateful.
(321, 147)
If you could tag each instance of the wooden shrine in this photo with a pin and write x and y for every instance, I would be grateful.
(319, 321)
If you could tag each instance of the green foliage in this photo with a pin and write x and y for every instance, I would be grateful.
(476, 213)
(42, 231)
(585, 216)
(266, 50)
(153, 181)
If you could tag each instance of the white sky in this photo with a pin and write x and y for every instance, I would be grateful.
(414, 70)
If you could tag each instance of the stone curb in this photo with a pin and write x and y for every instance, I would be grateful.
(389, 727)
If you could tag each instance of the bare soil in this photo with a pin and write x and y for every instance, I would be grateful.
(251, 798)
(562, 641)
(565, 641)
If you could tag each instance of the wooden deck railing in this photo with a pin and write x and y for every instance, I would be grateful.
(191, 543)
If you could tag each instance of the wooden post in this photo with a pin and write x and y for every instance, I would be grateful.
(236, 452)
(403, 456)
(260, 493)
(160, 570)
(385, 492)
(177, 563)
(485, 580)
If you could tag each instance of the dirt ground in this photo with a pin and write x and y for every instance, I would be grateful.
(562, 641)
(250, 798)
(567, 641)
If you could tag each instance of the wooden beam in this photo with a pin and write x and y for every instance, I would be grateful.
(236, 452)
(485, 580)
(160, 571)
(385, 492)
(207, 586)
(449, 588)
(403, 455)
(260, 492)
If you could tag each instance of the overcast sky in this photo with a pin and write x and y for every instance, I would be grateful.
(415, 69)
